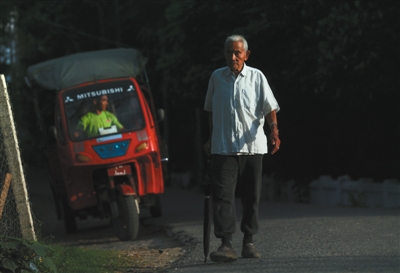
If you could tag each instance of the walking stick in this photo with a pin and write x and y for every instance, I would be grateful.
(207, 212)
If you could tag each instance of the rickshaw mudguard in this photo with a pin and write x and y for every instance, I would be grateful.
(125, 190)
(122, 170)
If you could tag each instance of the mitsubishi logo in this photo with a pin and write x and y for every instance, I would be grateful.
(131, 88)
(68, 99)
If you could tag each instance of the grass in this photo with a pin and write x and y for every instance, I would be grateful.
(76, 260)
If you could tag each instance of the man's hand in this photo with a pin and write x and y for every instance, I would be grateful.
(275, 141)
(273, 126)
(207, 148)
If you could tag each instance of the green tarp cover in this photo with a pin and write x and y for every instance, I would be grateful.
(64, 72)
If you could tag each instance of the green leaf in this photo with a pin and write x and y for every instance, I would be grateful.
(12, 243)
(39, 249)
(49, 264)
(9, 264)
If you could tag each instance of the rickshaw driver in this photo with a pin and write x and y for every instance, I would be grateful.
(92, 121)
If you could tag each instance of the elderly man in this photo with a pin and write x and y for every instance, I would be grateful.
(238, 100)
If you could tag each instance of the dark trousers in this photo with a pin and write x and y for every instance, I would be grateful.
(227, 172)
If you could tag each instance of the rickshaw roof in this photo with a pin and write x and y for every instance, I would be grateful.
(67, 71)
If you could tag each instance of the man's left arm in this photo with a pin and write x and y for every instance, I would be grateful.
(115, 121)
(273, 125)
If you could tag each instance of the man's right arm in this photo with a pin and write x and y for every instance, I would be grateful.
(80, 128)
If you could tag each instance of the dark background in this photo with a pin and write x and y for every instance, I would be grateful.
(332, 65)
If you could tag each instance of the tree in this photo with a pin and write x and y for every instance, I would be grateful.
(332, 66)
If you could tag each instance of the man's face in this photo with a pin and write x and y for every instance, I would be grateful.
(235, 56)
(102, 103)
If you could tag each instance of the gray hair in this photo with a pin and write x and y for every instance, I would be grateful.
(237, 38)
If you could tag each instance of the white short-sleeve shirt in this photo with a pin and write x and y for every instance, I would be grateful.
(239, 106)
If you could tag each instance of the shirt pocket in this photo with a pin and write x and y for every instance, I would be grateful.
(249, 99)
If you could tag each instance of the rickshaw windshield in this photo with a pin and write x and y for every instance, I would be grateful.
(102, 109)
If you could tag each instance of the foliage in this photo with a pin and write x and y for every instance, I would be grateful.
(333, 66)
(346, 42)
(74, 259)
(22, 256)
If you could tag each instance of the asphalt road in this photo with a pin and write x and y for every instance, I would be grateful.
(292, 237)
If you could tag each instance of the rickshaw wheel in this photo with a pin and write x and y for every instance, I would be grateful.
(126, 225)
(69, 218)
(156, 210)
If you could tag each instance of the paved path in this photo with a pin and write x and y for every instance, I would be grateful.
(293, 237)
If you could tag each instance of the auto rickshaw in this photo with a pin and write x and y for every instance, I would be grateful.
(115, 168)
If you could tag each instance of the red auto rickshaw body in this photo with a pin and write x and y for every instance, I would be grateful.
(79, 158)
(101, 141)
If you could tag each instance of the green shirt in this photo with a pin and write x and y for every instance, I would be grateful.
(92, 122)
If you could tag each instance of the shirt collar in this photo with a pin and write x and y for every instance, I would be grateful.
(244, 70)
(228, 72)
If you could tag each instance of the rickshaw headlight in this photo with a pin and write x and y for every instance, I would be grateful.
(141, 147)
(82, 158)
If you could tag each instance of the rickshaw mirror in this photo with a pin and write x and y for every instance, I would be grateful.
(160, 115)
